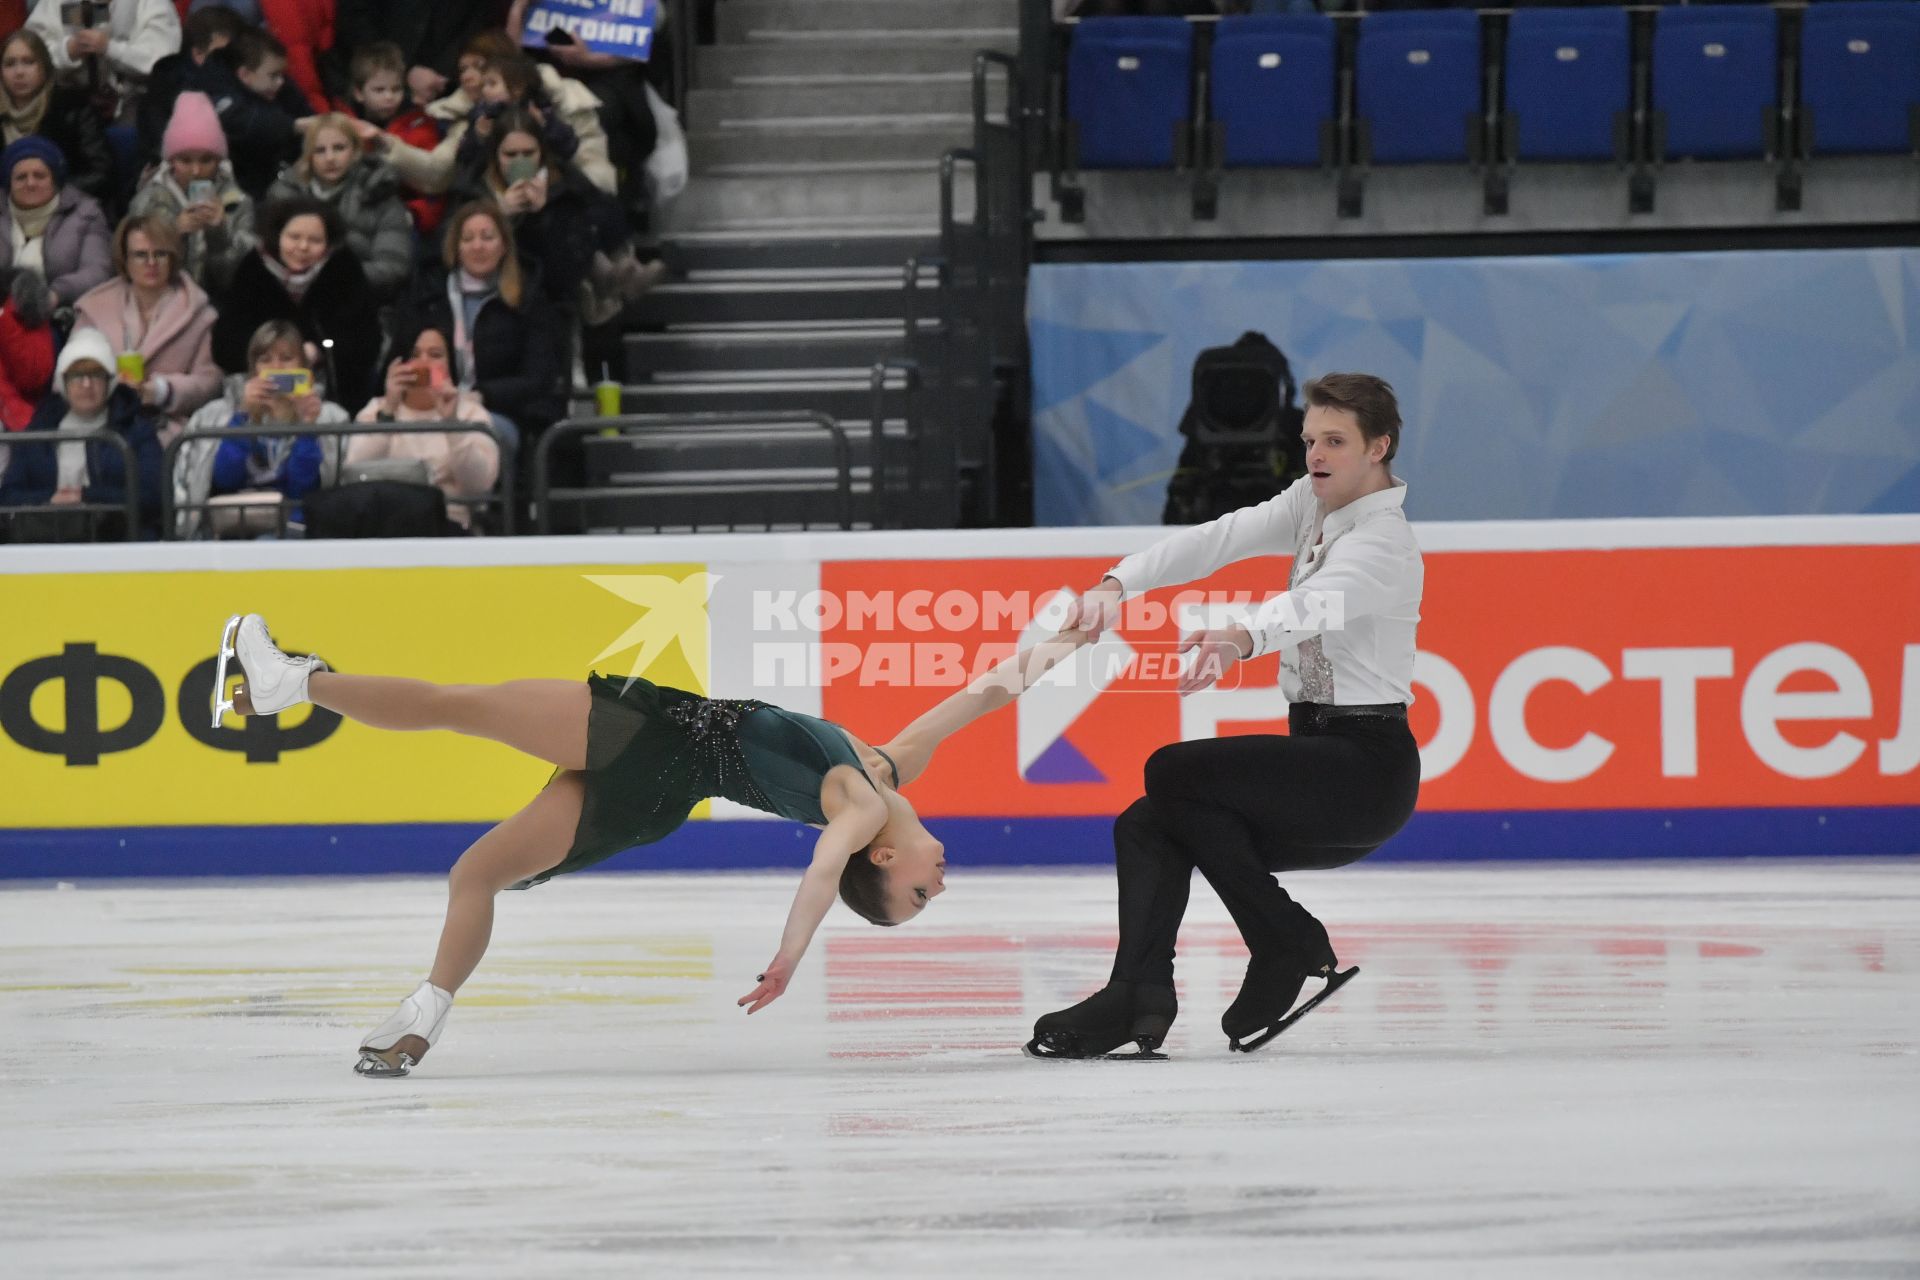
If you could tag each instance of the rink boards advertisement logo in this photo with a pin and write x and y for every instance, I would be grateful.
(1623, 679)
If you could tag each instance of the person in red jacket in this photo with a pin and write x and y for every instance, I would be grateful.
(377, 83)
(306, 28)
(26, 350)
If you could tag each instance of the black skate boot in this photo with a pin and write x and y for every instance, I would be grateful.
(1110, 1017)
(1260, 1011)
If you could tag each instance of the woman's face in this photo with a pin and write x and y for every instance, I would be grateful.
(1339, 458)
(284, 354)
(86, 387)
(303, 242)
(32, 184)
(431, 346)
(473, 68)
(481, 248)
(189, 167)
(333, 154)
(148, 265)
(21, 72)
(517, 149)
(915, 866)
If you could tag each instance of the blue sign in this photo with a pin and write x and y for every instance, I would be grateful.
(623, 28)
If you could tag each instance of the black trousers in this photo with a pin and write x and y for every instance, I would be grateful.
(1240, 809)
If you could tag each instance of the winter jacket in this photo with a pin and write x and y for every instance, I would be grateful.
(139, 34)
(379, 230)
(306, 28)
(26, 351)
(212, 252)
(460, 464)
(261, 138)
(416, 128)
(335, 308)
(574, 105)
(79, 250)
(33, 472)
(178, 343)
(515, 349)
(71, 123)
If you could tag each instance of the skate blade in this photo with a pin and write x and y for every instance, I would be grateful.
(1035, 1048)
(1334, 983)
(221, 703)
(391, 1063)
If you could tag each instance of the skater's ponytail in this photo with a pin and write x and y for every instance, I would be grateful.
(863, 887)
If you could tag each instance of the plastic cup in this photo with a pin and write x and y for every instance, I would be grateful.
(132, 366)
(606, 399)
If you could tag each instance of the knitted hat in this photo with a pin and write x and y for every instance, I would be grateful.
(85, 344)
(33, 147)
(195, 127)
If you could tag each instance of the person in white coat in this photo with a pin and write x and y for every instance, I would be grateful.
(135, 35)
(1342, 781)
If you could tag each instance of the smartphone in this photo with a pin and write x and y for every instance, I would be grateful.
(200, 191)
(521, 168)
(437, 376)
(77, 13)
(289, 382)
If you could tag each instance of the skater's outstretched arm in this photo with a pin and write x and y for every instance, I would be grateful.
(852, 824)
(913, 747)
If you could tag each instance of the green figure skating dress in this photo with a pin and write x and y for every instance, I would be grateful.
(655, 752)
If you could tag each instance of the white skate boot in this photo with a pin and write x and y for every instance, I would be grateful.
(274, 680)
(402, 1040)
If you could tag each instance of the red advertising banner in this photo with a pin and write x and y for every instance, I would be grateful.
(1698, 677)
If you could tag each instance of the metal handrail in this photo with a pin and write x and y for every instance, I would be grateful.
(169, 459)
(131, 504)
(544, 494)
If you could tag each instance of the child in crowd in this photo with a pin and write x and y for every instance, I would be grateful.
(259, 109)
(378, 87)
(195, 187)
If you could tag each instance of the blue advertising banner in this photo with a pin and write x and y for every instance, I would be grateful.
(623, 28)
(1673, 384)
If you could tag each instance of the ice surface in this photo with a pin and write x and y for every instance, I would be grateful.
(1542, 1071)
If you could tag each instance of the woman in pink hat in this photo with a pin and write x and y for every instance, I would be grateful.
(195, 190)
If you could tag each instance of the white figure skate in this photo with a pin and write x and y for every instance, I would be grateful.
(274, 680)
(397, 1044)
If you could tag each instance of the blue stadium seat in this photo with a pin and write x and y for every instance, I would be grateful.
(1417, 86)
(1129, 91)
(1272, 94)
(1860, 75)
(1715, 81)
(1569, 84)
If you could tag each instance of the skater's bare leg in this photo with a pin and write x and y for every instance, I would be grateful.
(546, 719)
(531, 841)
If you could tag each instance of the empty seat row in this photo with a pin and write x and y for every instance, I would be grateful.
(1422, 92)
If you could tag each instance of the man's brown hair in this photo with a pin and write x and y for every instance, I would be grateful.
(1368, 398)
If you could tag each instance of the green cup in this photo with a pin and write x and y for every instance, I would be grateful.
(606, 399)
(132, 366)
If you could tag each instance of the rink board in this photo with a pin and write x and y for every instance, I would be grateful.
(1585, 689)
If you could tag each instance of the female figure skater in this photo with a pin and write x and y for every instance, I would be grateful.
(632, 759)
(1333, 790)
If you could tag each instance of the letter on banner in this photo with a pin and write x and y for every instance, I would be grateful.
(1454, 697)
(1507, 714)
(1678, 671)
(1901, 753)
(1763, 706)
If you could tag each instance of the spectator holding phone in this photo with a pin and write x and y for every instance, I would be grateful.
(304, 272)
(157, 320)
(420, 388)
(49, 228)
(62, 115)
(196, 190)
(363, 190)
(276, 387)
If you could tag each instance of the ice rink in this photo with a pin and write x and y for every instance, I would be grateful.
(1542, 1071)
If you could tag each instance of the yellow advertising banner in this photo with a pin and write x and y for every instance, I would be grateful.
(106, 681)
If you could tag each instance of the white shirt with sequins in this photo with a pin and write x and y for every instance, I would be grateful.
(1345, 626)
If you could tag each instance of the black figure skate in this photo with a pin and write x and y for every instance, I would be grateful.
(1112, 1016)
(1260, 1011)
